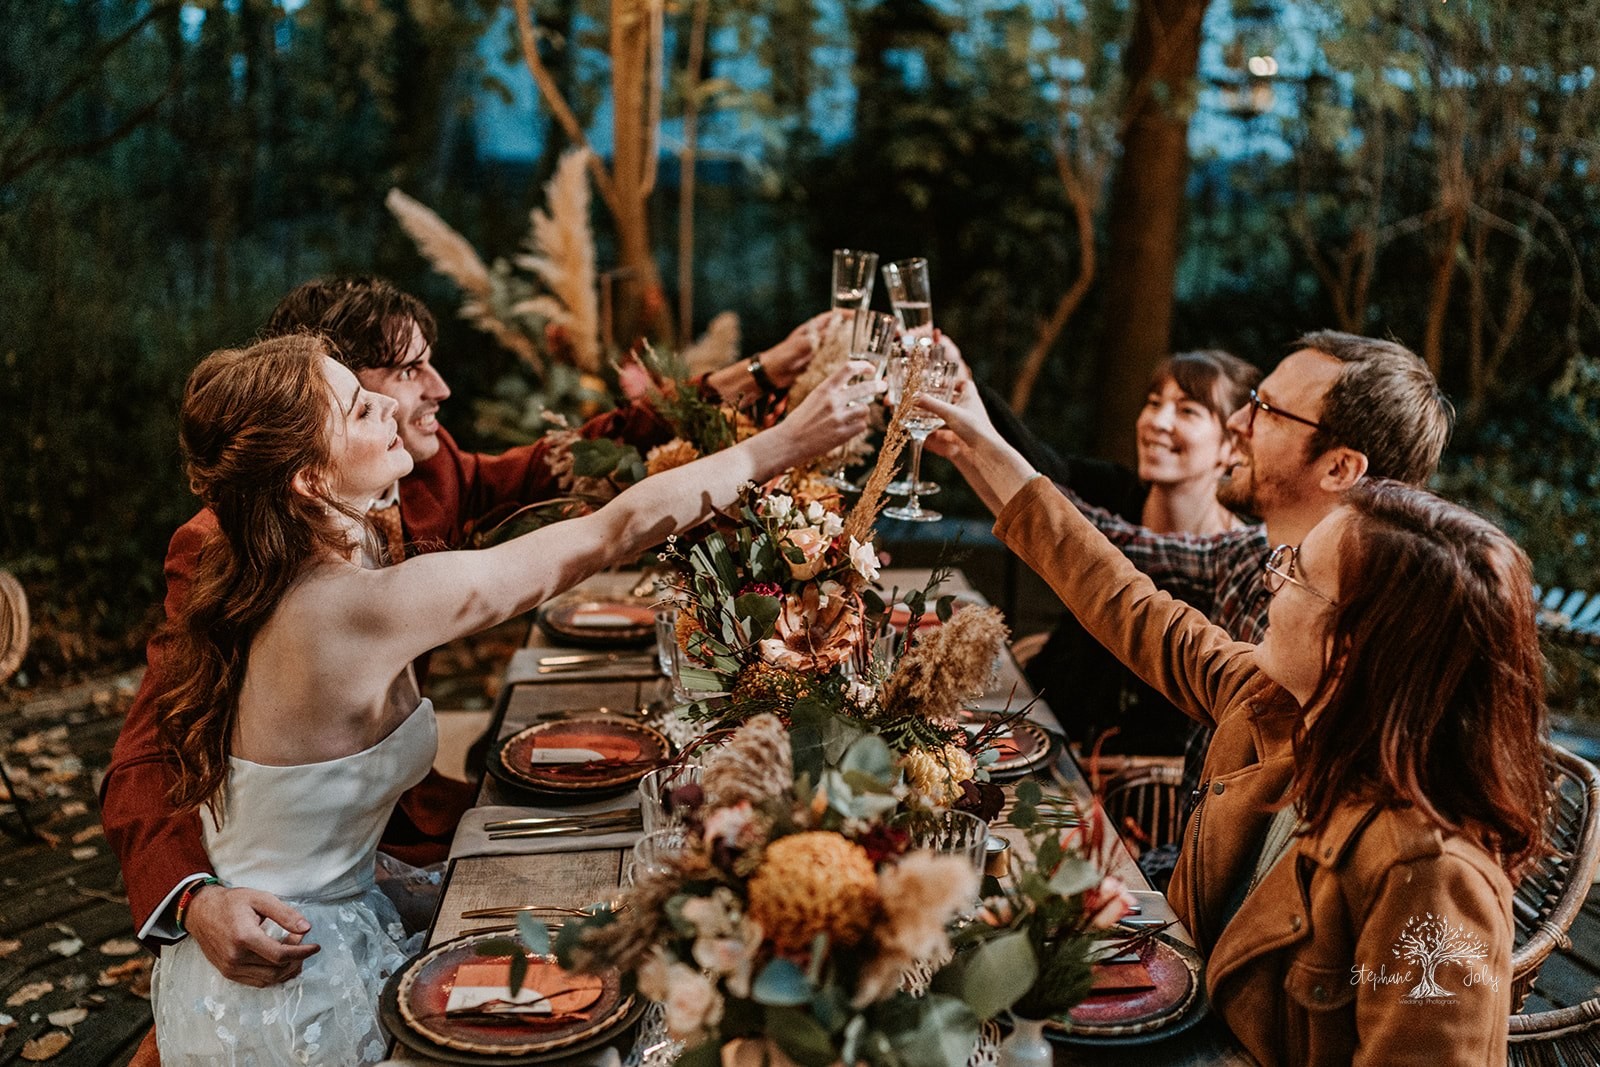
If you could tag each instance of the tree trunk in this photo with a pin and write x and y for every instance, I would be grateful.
(1146, 211)
(639, 308)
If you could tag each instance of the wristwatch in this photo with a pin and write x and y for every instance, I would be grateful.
(763, 380)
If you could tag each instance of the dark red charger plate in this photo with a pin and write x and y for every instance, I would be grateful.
(632, 750)
(1176, 1003)
(428, 985)
(561, 620)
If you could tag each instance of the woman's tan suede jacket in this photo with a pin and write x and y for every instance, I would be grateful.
(1324, 962)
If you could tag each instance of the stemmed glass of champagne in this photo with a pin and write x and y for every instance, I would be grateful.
(939, 378)
(911, 296)
(875, 338)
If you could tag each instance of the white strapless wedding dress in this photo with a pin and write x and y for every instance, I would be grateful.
(309, 835)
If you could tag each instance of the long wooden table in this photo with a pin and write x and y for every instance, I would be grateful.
(493, 881)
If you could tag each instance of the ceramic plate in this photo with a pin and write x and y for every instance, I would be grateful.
(1024, 746)
(452, 974)
(554, 1040)
(1134, 1018)
(599, 622)
(627, 750)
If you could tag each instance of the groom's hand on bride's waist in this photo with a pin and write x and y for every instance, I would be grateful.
(227, 924)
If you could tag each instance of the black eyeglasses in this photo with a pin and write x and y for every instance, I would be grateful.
(1281, 565)
(1257, 404)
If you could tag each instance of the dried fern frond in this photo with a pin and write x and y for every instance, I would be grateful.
(447, 251)
(948, 666)
(717, 347)
(561, 247)
(859, 522)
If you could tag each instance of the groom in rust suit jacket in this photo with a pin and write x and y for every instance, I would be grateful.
(386, 337)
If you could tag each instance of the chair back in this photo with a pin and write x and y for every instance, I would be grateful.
(1552, 891)
(1563, 1037)
(1145, 805)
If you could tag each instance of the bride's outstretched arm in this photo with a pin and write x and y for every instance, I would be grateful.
(431, 599)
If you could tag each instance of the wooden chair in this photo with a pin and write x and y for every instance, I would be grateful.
(1563, 1037)
(13, 644)
(1569, 617)
(1145, 804)
(1023, 649)
(1552, 893)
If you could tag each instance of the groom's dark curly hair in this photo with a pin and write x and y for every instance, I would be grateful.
(367, 318)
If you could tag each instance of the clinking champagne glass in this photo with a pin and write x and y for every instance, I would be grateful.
(874, 338)
(939, 378)
(853, 272)
(911, 296)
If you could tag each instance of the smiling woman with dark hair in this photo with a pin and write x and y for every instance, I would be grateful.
(1375, 782)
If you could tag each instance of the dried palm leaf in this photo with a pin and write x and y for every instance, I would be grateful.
(446, 250)
(717, 347)
(561, 247)
(859, 522)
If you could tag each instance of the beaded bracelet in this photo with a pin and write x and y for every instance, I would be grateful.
(187, 897)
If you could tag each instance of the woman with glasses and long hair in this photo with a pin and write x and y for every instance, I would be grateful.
(294, 721)
(1375, 783)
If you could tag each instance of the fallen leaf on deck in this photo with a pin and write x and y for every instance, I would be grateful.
(70, 946)
(88, 833)
(29, 993)
(68, 1017)
(8, 947)
(120, 946)
(85, 852)
(7, 1024)
(134, 973)
(46, 1046)
(73, 808)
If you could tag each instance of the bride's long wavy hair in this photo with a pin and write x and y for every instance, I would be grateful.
(252, 420)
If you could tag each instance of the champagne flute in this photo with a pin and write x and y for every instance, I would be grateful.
(874, 338)
(911, 296)
(852, 278)
(939, 378)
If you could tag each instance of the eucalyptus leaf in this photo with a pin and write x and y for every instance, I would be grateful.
(535, 934)
(931, 1031)
(1074, 875)
(762, 611)
(869, 755)
(998, 973)
(801, 1037)
(781, 984)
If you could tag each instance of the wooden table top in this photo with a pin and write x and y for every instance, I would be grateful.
(490, 881)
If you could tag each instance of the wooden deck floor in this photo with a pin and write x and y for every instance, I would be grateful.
(65, 931)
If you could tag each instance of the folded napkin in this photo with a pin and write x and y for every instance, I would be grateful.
(524, 666)
(473, 840)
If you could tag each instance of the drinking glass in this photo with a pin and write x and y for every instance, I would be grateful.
(653, 790)
(653, 853)
(939, 382)
(852, 278)
(911, 296)
(952, 833)
(874, 336)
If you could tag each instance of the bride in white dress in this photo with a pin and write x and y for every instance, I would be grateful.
(296, 724)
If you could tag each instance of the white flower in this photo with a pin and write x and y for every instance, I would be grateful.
(814, 512)
(778, 506)
(832, 525)
(693, 1003)
(828, 589)
(864, 558)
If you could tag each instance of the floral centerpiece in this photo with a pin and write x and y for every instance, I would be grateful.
(784, 929)
(1033, 950)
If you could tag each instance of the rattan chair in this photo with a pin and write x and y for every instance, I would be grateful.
(1145, 804)
(13, 644)
(1552, 893)
(1563, 1037)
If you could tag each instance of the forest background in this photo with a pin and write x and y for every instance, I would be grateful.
(1095, 183)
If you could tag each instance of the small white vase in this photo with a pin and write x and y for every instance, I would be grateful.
(1026, 1045)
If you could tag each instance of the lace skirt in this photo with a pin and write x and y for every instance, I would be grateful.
(328, 1015)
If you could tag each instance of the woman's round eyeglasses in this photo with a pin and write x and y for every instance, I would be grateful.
(1281, 567)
